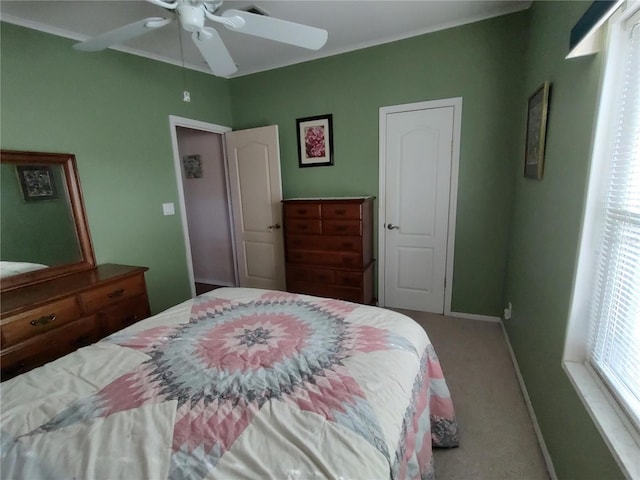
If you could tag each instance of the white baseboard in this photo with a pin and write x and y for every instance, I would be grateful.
(209, 281)
(474, 316)
(532, 413)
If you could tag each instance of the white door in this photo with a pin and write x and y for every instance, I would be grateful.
(415, 214)
(256, 193)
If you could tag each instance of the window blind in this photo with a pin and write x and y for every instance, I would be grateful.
(615, 336)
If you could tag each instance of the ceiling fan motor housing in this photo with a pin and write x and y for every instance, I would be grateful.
(191, 17)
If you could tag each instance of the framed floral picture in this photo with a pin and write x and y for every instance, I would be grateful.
(536, 132)
(315, 141)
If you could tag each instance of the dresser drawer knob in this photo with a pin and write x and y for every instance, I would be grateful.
(341, 211)
(43, 320)
(131, 318)
(117, 293)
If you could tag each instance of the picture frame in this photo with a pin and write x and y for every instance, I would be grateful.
(315, 141)
(192, 166)
(37, 182)
(537, 113)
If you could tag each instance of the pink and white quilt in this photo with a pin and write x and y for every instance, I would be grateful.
(236, 383)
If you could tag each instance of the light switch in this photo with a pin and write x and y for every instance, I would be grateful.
(168, 209)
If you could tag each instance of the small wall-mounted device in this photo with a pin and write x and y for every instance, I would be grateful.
(168, 209)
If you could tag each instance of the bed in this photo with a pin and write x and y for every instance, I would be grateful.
(236, 383)
(8, 269)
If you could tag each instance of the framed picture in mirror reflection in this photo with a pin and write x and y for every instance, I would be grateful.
(37, 182)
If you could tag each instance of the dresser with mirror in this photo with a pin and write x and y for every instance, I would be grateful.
(54, 299)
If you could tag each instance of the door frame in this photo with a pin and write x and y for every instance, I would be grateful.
(174, 122)
(456, 103)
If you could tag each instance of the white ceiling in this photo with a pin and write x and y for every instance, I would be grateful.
(352, 24)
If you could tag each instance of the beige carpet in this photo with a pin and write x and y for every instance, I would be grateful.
(497, 439)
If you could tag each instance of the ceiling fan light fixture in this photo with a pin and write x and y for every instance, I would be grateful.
(191, 17)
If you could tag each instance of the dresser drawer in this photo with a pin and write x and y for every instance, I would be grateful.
(342, 210)
(325, 242)
(39, 320)
(304, 226)
(339, 259)
(49, 346)
(302, 210)
(330, 291)
(306, 274)
(349, 279)
(112, 293)
(342, 227)
(123, 314)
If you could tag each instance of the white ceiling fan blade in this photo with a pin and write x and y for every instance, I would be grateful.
(279, 30)
(122, 34)
(214, 52)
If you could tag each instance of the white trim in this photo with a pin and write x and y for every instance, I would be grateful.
(532, 414)
(619, 435)
(585, 271)
(324, 53)
(175, 121)
(612, 424)
(475, 316)
(60, 32)
(456, 103)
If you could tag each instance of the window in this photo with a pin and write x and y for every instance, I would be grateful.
(602, 353)
(614, 345)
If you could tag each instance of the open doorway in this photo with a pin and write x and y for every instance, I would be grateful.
(204, 203)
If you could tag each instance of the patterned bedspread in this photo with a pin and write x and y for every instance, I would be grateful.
(237, 383)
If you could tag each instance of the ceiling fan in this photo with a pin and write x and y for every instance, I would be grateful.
(192, 15)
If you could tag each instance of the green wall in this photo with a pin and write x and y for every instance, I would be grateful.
(36, 231)
(481, 62)
(545, 231)
(112, 111)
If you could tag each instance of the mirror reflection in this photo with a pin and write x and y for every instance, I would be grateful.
(36, 220)
(44, 232)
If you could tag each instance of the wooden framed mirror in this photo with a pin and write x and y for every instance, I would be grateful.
(43, 224)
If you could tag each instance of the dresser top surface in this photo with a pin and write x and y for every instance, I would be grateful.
(24, 297)
(327, 199)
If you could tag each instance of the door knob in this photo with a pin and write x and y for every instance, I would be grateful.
(274, 227)
(390, 226)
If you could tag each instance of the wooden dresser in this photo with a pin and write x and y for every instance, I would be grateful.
(44, 321)
(329, 247)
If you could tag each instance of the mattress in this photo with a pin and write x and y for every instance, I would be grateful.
(236, 383)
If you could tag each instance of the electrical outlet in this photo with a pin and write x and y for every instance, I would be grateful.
(508, 312)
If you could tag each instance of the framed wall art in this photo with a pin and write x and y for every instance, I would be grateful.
(192, 166)
(536, 132)
(37, 182)
(315, 141)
